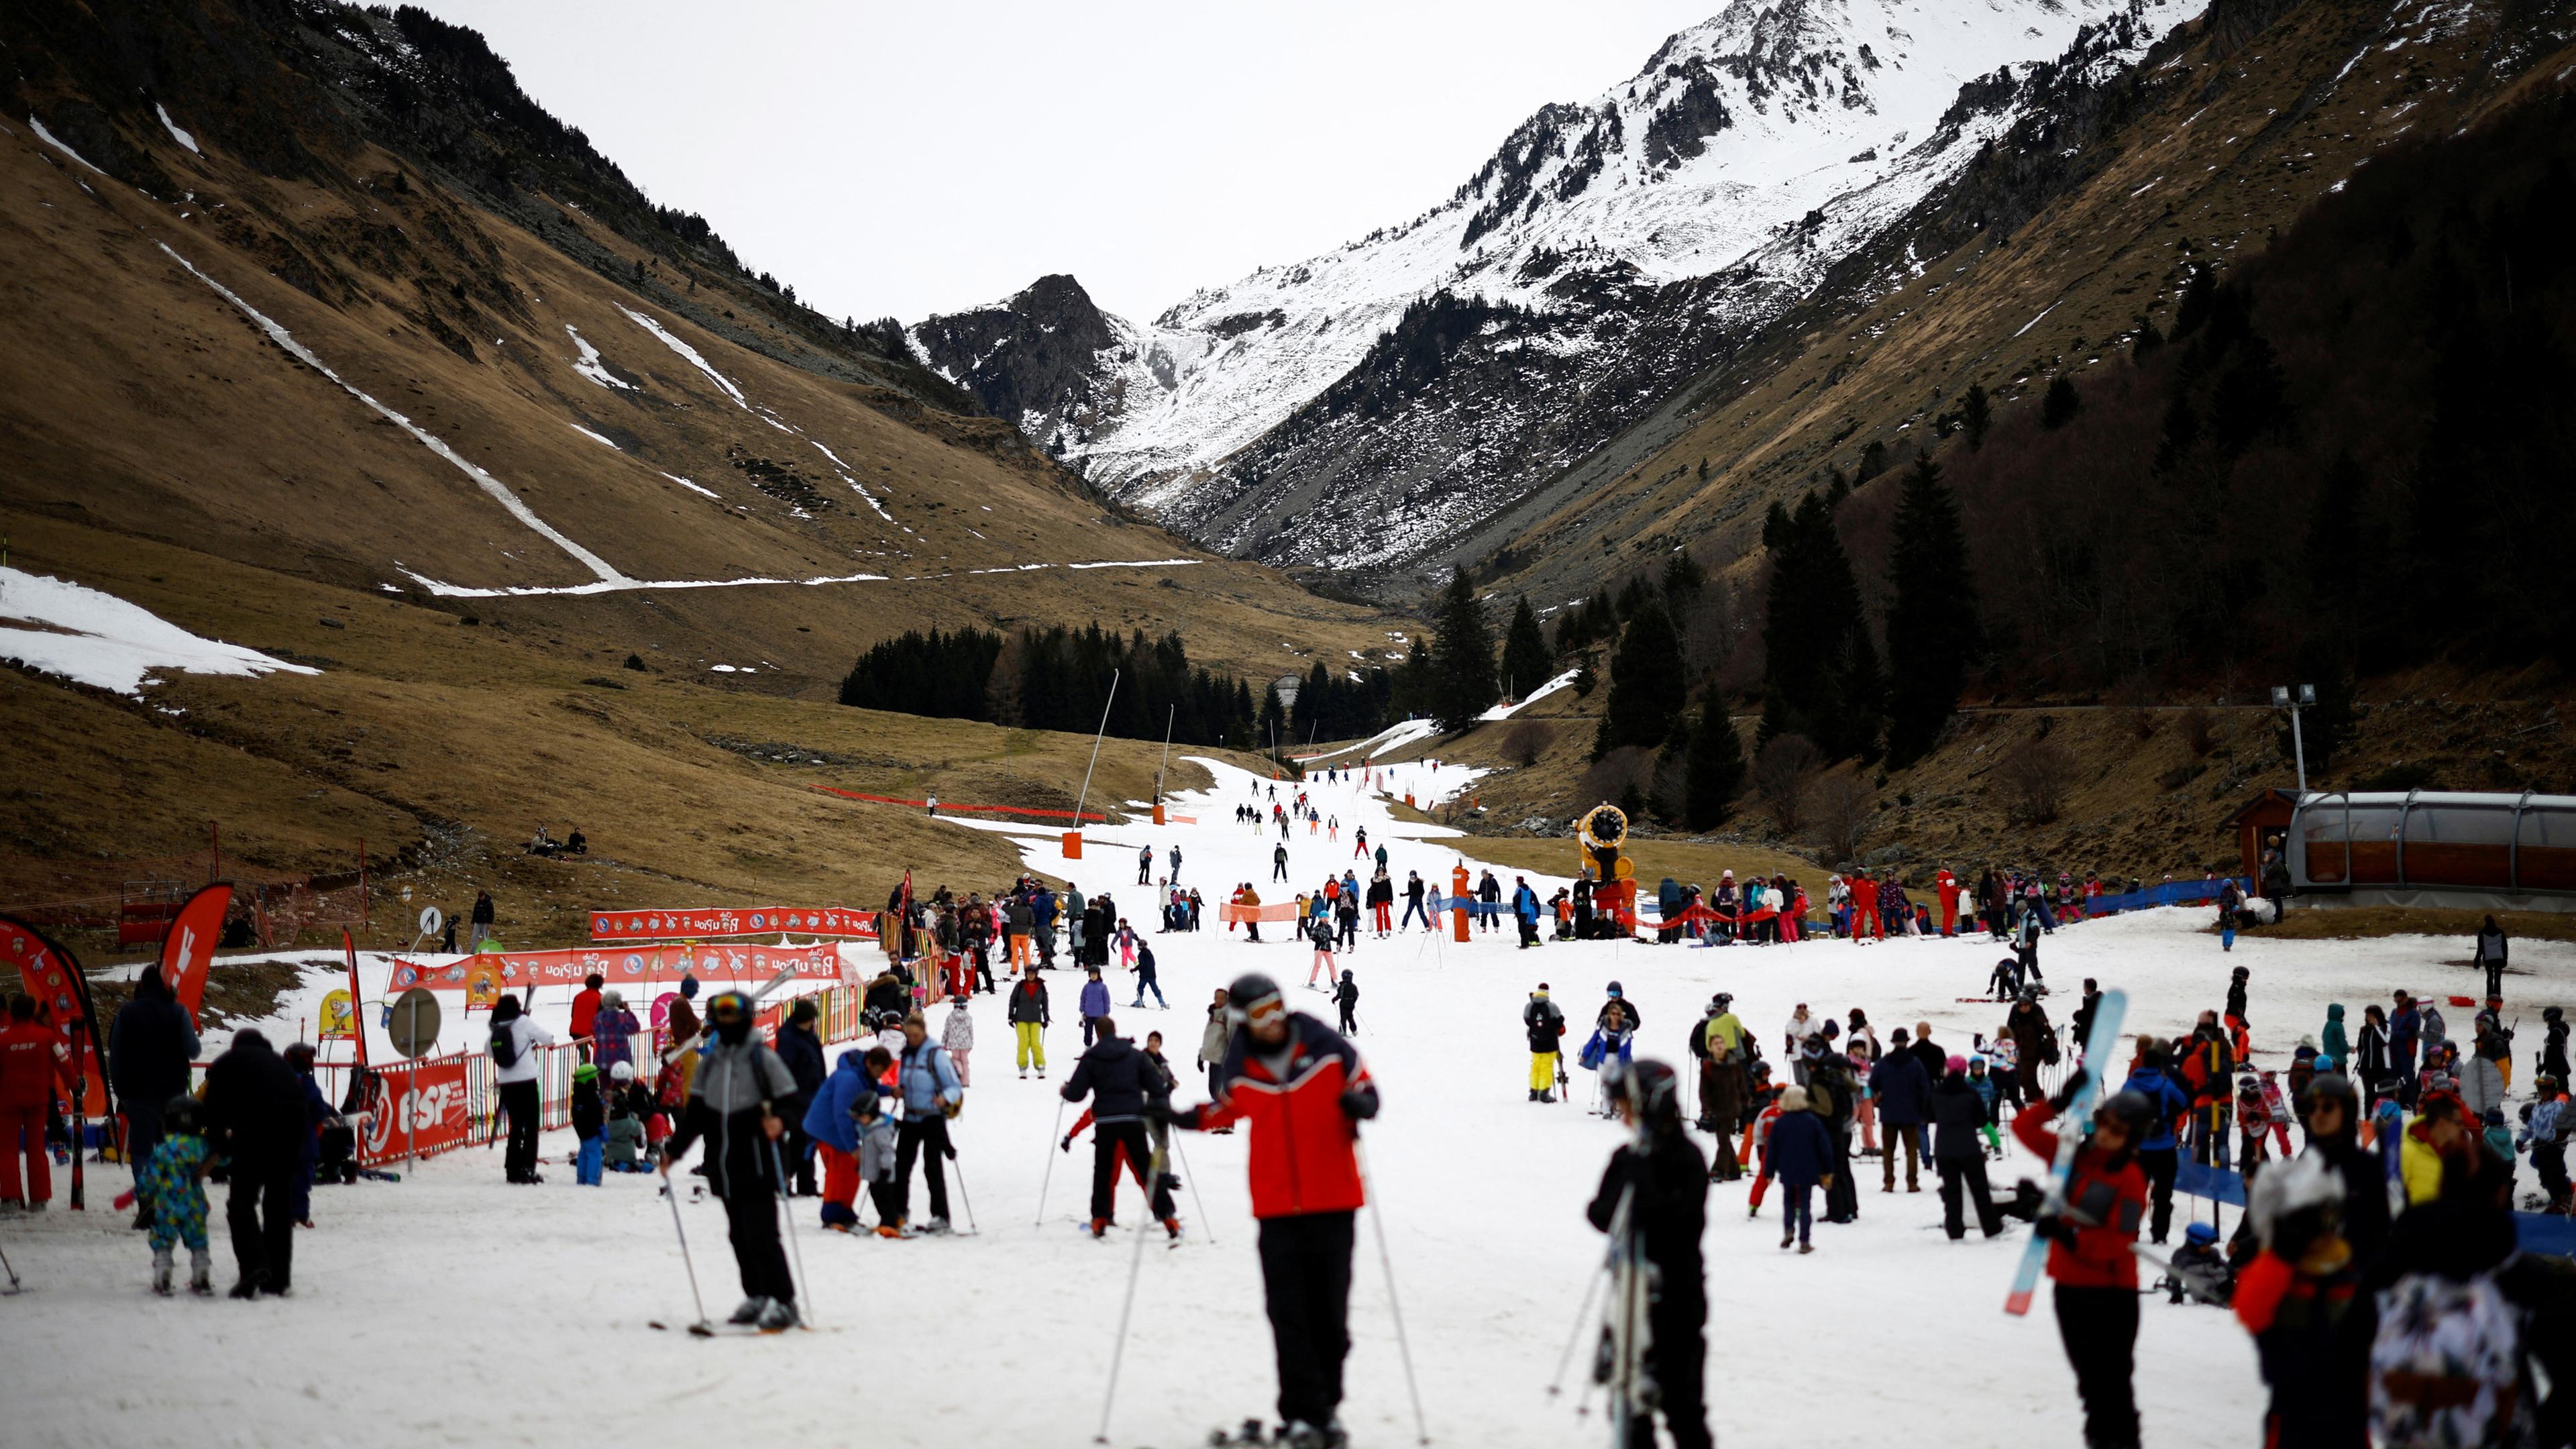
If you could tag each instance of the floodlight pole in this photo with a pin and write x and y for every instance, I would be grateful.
(2284, 698)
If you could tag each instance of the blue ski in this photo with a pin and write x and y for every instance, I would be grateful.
(2099, 1047)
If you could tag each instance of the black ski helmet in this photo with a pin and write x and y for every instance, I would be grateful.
(1248, 991)
(183, 1115)
(2552, 1014)
(2132, 1110)
(1653, 1090)
(1722, 1000)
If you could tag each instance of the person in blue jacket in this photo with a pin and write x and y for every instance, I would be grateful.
(931, 1093)
(2159, 1155)
(317, 1113)
(836, 1137)
(1042, 905)
(1095, 1004)
(1525, 910)
(1802, 1158)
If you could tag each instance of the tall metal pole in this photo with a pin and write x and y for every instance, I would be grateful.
(1095, 753)
(2299, 745)
(1166, 765)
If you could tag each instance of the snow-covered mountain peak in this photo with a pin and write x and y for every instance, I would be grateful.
(1772, 119)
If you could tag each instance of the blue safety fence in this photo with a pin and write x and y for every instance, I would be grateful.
(2171, 893)
(2533, 1232)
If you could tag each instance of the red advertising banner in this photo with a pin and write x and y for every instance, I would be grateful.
(732, 921)
(52, 977)
(189, 949)
(714, 964)
(425, 1110)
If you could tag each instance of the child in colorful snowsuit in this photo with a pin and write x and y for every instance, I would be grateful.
(589, 1122)
(172, 1190)
(1983, 1084)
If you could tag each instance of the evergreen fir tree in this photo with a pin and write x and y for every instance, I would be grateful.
(2059, 405)
(1932, 631)
(1683, 578)
(1775, 525)
(1873, 461)
(1527, 664)
(1977, 414)
(1820, 670)
(1463, 657)
(1715, 763)
(1646, 689)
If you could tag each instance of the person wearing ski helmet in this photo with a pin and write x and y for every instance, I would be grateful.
(730, 1105)
(2331, 1110)
(1627, 1009)
(2301, 1298)
(1303, 1090)
(1546, 1026)
(2089, 1255)
(1661, 1182)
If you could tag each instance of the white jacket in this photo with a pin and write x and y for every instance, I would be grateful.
(958, 1035)
(528, 1036)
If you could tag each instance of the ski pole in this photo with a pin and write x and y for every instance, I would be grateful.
(1135, 1267)
(963, 1196)
(1592, 1286)
(1049, 1176)
(700, 1327)
(1193, 1178)
(787, 1205)
(1395, 1310)
(14, 1284)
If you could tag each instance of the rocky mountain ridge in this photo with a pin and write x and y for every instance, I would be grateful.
(1434, 373)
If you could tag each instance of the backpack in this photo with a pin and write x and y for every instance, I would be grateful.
(505, 1045)
(2446, 1366)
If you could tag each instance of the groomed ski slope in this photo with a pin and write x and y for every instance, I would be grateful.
(450, 1308)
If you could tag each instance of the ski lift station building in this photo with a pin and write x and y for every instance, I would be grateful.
(2434, 848)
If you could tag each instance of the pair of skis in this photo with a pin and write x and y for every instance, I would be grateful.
(2098, 1047)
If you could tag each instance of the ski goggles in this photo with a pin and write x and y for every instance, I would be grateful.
(1260, 1013)
(728, 1007)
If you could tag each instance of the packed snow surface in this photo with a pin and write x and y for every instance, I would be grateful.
(99, 639)
(1481, 1194)
(1506, 711)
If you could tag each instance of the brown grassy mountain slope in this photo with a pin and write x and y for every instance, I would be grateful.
(380, 368)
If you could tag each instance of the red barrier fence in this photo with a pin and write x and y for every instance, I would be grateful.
(701, 924)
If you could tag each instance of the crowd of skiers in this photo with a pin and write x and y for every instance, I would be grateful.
(2375, 1267)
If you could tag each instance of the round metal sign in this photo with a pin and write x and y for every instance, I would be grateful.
(414, 1024)
(431, 920)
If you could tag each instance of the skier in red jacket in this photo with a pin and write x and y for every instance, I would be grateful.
(32, 1063)
(1304, 1091)
(2088, 1255)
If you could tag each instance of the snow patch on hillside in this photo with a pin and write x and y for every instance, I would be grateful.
(99, 639)
(499, 491)
(50, 139)
(590, 366)
(690, 355)
(171, 126)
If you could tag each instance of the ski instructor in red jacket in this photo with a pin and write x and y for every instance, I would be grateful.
(1304, 1092)
(2090, 1236)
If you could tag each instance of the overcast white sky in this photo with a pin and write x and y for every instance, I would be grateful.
(914, 158)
